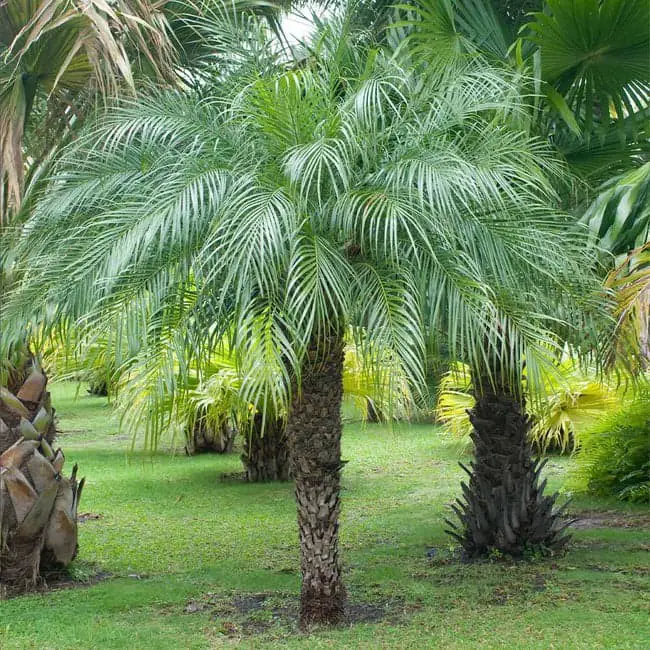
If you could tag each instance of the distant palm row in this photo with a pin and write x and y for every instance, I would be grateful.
(214, 217)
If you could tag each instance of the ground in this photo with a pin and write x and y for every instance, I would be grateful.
(192, 560)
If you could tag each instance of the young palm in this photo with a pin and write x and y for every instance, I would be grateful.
(355, 190)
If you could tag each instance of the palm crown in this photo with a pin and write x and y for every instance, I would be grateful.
(348, 192)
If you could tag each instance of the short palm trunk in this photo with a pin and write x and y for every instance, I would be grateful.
(266, 451)
(206, 437)
(38, 505)
(314, 431)
(504, 508)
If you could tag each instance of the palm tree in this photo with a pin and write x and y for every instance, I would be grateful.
(358, 189)
(54, 55)
(38, 506)
(587, 62)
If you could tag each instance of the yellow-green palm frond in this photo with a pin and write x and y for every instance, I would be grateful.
(455, 399)
(571, 401)
(383, 385)
(630, 282)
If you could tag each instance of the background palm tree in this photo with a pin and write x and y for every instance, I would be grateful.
(588, 65)
(55, 60)
(360, 189)
(55, 56)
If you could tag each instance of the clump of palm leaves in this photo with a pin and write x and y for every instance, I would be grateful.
(571, 400)
(378, 390)
(160, 392)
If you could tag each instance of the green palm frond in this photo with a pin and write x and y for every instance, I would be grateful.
(595, 54)
(358, 190)
(453, 27)
(620, 215)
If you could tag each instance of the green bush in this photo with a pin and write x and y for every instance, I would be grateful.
(614, 457)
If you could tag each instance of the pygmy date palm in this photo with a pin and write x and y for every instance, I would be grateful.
(356, 189)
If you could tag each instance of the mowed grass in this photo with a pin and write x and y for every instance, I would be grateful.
(174, 532)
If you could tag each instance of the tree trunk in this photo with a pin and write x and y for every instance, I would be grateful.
(266, 452)
(373, 413)
(38, 506)
(98, 387)
(314, 431)
(204, 438)
(503, 508)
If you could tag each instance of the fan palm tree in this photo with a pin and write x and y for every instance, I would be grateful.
(589, 63)
(356, 190)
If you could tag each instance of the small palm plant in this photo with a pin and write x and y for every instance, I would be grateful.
(358, 189)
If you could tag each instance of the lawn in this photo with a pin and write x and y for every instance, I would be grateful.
(199, 559)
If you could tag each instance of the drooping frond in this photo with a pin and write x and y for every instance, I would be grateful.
(356, 190)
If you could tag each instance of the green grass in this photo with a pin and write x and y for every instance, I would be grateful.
(172, 532)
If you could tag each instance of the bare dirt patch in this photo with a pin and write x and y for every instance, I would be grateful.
(609, 519)
(238, 615)
(88, 516)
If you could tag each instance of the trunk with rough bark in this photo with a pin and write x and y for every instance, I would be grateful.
(373, 412)
(266, 452)
(38, 506)
(204, 437)
(314, 430)
(98, 387)
(503, 507)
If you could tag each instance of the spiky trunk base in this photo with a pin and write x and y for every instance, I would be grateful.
(314, 430)
(38, 506)
(266, 452)
(205, 438)
(504, 508)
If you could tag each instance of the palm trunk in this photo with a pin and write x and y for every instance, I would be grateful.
(314, 431)
(503, 507)
(204, 437)
(38, 506)
(373, 413)
(266, 452)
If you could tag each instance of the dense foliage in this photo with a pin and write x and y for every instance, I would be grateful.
(570, 402)
(614, 458)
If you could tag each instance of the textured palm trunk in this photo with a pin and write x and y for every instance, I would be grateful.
(266, 451)
(38, 506)
(504, 507)
(204, 438)
(373, 414)
(314, 431)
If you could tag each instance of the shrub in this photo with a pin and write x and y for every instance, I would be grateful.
(614, 457)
